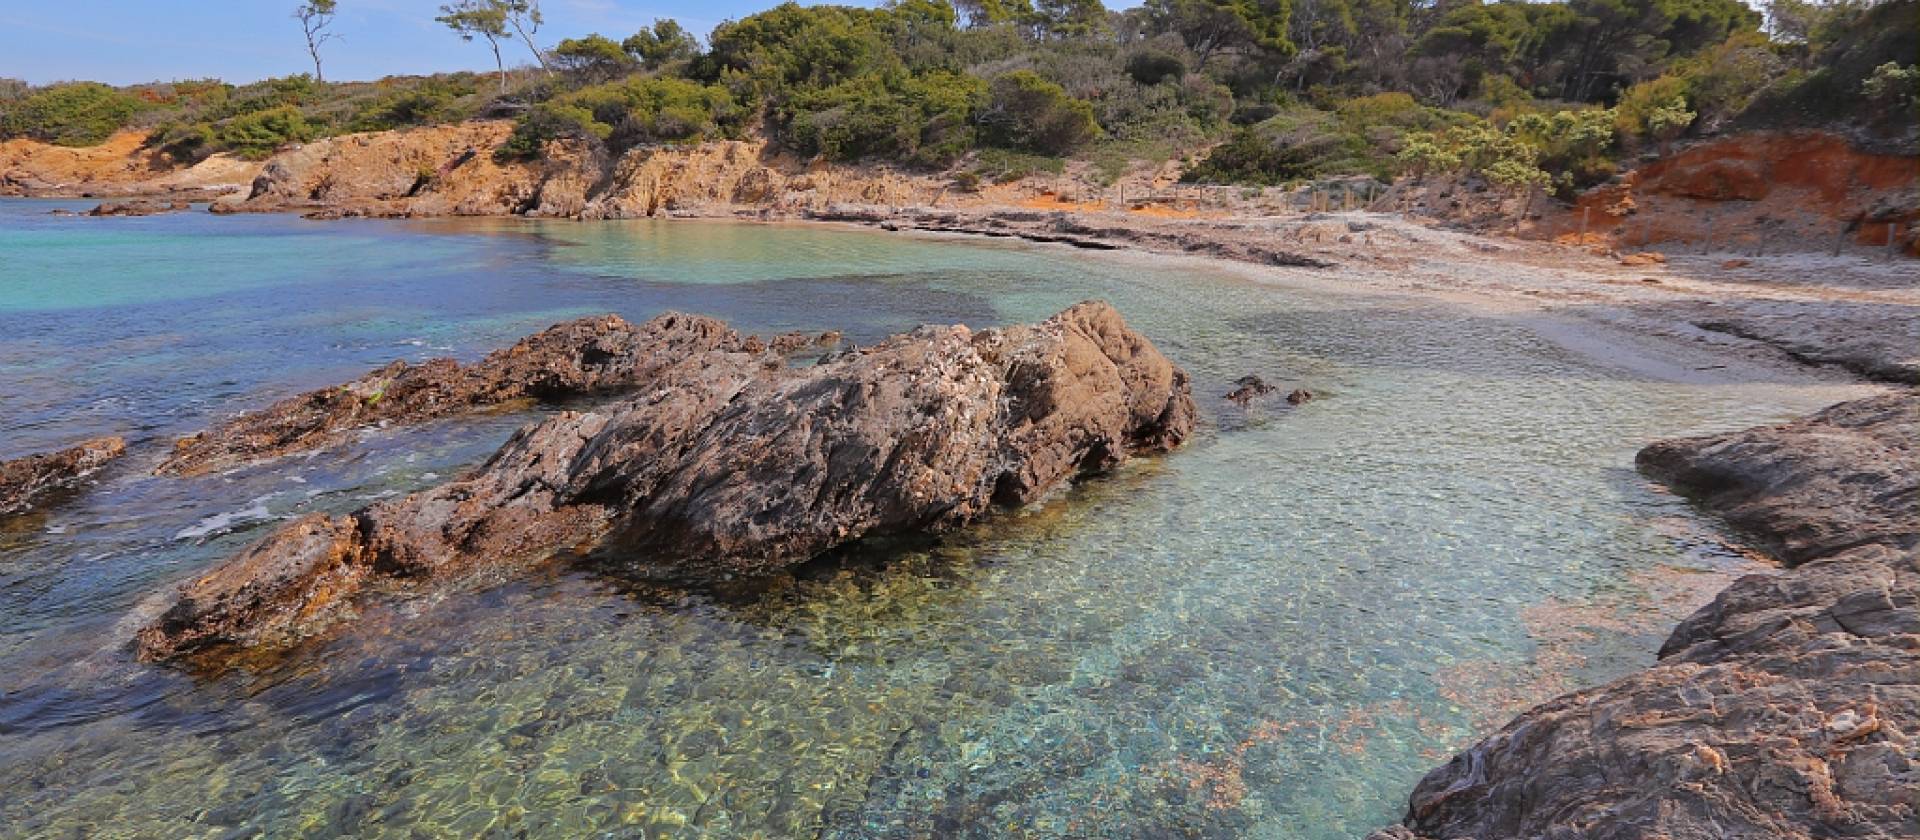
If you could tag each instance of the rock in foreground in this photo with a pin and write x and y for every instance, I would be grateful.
(596, 355)
(1787, 708)
(731, 463)
(24, 480)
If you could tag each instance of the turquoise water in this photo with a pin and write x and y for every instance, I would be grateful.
(1272, 633)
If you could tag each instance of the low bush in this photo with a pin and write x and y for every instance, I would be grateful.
(256, 135)
(429, 101)
(1029, 113)
(628, 113)
(76, 114)
(927, 120)
(1151, 67)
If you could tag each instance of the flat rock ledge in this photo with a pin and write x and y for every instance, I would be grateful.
(23, 481)
(1787, 708)
(728, 463)
(590, 356)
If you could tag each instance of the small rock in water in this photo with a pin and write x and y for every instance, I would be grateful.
(1248, 387)
(138, 208)
(1298, 396)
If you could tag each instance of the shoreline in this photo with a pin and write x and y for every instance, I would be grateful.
(1807, 309)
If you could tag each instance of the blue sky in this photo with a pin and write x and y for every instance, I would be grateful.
(129, 41)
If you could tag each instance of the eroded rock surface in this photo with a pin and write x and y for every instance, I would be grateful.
(24, 480)
(1787, 708)
(731, 463)
(597, 355)
(1847, 476)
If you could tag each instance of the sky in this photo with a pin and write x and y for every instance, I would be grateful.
(131, 41)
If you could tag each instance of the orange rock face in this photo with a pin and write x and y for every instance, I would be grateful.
(1754, 192)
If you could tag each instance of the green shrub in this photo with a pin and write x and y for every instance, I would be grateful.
(661, 44)
(629, 113)
(595, 58)
(1575, 145)
(257, 134)
(76, 114)
(267, 95)
(919, 119)
(431, 101)
(1892, 85)
(1030, 113)
(1296, 144)
(184, 143)
(1151, 67)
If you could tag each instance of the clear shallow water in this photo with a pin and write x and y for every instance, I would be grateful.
(1272, 633)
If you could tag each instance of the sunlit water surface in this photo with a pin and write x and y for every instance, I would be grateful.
(1271, 633)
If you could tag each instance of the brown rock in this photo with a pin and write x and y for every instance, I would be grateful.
(1846, 476)
(595, 355)
(1298, 396)
(23, 480)
(1644, 258)
(1786, 708)
(729, 466)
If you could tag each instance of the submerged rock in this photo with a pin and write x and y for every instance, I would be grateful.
(1246, 388)
(597, 355)
(731, 464)
(24, 480)
(1786, 708)
(139, 208)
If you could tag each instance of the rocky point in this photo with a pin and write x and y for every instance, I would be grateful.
(729, 463)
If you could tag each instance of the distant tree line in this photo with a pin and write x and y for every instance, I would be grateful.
(1553, 94)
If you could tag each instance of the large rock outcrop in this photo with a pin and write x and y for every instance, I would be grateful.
(584, 357)
(1787, 708)
(731, 463)
(1847, 476)
(26, 480)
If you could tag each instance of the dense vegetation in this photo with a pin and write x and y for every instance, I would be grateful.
(1259, 91)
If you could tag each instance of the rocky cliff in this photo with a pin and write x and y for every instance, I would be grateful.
(1787, 708)
(726, 462)
(451, 170)
(1756, 192)
(122, 166)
